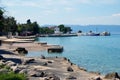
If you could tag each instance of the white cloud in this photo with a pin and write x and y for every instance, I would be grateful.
(116, 15)
(53, 9)
(69, 9)
(20, 3)
(97, 1)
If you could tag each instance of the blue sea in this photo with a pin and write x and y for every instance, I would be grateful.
(94, 53)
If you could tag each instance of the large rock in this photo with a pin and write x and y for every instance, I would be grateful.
(112, 75)
(21, 50)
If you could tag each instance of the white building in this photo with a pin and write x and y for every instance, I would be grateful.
(57, 30)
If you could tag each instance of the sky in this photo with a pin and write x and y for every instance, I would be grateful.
(75, 12)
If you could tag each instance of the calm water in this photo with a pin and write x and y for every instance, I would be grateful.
(95, 53)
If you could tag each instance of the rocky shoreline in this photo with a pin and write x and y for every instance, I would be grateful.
(50, 68)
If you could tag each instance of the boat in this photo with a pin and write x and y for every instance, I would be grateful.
(105, 33)
(93, 34)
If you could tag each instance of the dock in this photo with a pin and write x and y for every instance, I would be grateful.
(55, 49)
(29, 44)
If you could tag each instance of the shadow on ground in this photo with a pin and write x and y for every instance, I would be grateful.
(5, 52)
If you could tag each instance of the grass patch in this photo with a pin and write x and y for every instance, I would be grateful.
(12, 76)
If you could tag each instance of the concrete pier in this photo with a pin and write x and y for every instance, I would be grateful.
(55, 48)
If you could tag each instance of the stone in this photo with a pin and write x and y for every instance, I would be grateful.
(37, 74)
(70, 69)
(10, 63)
(24, 71)
(81, 68)
(21, 50)
(27, 61)
(14, 68)
(68, 60)
(2, 62)
(17, 69)
(112, 75)
(1, 57)
(42, 57)
(64, 58)
(71, 64)
(71, 77)
(44, 64)
(49, 61)
(52, 77)
(98, 78)
(95, 78)
(97, 73)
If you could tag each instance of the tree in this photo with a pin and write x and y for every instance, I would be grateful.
(1, 18)
(35, 28)
(64, 29)
(46, 30)
(10, 25)
(61, 27)
(28, 21)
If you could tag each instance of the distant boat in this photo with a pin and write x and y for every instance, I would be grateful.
(93, 34)
(105, 33)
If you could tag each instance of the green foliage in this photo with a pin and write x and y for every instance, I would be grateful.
(12, 76)
(10, 25)
(1, 13)
(29, 26)
(3, 66)
(1, 19)
(64, 29)
(46, 30)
